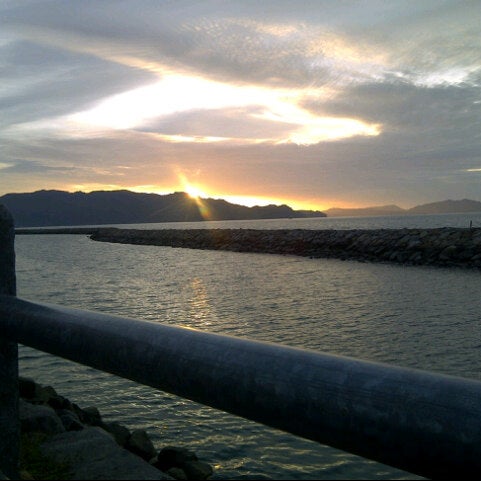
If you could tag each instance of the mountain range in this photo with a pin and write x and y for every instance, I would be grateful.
(442, 207)
(58, 208)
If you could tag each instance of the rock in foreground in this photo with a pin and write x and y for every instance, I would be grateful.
(79, 442)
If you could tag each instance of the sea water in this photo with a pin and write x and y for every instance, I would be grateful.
(420, 317)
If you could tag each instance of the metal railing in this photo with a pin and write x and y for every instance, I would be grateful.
(424, 423)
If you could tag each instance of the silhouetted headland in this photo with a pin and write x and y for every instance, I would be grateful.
(56, 208)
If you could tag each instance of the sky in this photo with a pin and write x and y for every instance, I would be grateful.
(313, 103)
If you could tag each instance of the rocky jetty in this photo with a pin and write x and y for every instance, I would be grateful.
(444, 247)
(77, 444)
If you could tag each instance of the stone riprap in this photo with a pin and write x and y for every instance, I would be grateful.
(435, 247)
(94, 449)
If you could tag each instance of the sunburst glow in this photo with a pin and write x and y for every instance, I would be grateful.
(194, 191)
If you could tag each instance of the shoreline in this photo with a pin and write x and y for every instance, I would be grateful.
(440, 247)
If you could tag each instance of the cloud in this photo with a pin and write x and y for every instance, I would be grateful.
(236, 123)
(20, 166)
(382, 98)
(175, 94)
(317, 42)
(232, 43)
(41, 82)
(438, 46)
(359, 170)
(401, 104)
(424, 123)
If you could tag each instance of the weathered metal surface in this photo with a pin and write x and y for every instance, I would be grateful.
(9, 424)
(424, 423)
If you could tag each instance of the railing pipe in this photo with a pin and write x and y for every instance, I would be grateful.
(424, 423)
(9, 422)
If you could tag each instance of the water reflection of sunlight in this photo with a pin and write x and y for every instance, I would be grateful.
(200, 309)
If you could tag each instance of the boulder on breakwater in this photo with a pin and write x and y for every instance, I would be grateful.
(435, 247)
(75, 443)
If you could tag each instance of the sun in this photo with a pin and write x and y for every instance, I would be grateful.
(198, 195)
(194, 192)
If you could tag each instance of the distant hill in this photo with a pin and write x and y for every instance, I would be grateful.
(58, 208)
(443, 207)
(365, 211)
(447, 207)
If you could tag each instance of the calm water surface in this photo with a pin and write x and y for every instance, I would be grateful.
(419, 317)
(377, 222)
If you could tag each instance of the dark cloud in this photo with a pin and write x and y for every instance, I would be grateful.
(46, 82)
(400, 104)
(419, 124)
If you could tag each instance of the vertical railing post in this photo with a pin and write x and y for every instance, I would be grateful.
(9, 421)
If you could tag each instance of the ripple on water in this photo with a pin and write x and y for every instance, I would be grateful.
(416, 317)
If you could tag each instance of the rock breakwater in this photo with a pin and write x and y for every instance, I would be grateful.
(435, 247)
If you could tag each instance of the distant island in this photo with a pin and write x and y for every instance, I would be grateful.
(443, 207)
(57, 208)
